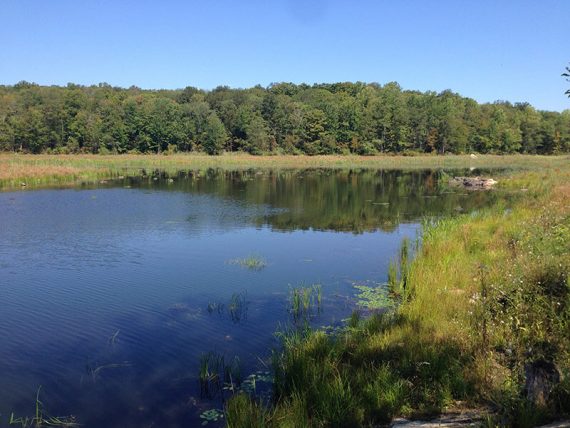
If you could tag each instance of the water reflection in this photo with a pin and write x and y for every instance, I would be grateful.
(322, 199)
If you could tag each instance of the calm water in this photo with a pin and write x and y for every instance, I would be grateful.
(105, 290)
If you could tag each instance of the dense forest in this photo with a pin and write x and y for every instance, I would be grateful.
(336, 118)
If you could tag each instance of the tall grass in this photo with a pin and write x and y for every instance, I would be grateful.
(44, 170)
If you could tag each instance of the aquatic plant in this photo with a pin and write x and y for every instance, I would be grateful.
(94, 371)
(114, 338)
(249, 385)
(374, 298)
(303, 299)
(232, 374)
(212, 415)
(251, 262)
(215, 307)
(211, 373)
(42, 418)
(238, 306)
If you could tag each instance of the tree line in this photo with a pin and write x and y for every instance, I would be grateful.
(337, 118)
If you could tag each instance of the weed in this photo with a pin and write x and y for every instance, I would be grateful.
(41, 418)
(251, 262)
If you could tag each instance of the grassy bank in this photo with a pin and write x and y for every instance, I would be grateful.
(45, 170)
(486, 298)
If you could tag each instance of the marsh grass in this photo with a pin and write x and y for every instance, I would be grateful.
(217, 375)
(304, 301)
(238, 307)
(41, 418)
(46, 170)
(486, 294)
(251, 262)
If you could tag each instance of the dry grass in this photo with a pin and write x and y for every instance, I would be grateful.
(42, 170)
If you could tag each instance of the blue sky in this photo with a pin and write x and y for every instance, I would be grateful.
(488, 50)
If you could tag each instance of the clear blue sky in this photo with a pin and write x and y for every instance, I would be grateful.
(487, 49)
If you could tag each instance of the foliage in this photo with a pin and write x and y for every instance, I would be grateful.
(338, 118)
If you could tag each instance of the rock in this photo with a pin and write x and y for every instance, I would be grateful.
(473, 183)
(559, 424)
(472, 156)
(469, 418)
(541, 377)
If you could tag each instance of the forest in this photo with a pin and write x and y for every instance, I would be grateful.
(284, 118)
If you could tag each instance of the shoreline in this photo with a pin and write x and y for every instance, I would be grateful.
(36, 171)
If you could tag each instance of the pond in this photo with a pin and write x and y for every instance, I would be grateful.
(112, 294)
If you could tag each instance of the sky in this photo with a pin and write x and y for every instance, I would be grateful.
(489, 50)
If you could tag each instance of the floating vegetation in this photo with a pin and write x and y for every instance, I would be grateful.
(212, 415)
(303, 300)
(249, 385)
(251, 262)
(374, 298)
(42, 418)
(385, 296)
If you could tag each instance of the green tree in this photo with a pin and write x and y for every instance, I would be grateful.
(214, 136)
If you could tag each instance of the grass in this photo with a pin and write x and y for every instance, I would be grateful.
(17, 170)
(303, 300)
(41, 418)
(251, 262)
(486, 296)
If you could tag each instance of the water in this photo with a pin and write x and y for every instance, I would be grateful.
(105, 289)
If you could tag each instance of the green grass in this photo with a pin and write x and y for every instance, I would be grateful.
(58, 170)
(303, 301)
(251, 262)
(486, 294)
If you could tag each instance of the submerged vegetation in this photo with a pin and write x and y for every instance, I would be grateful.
(41, 418)
(483, 320)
